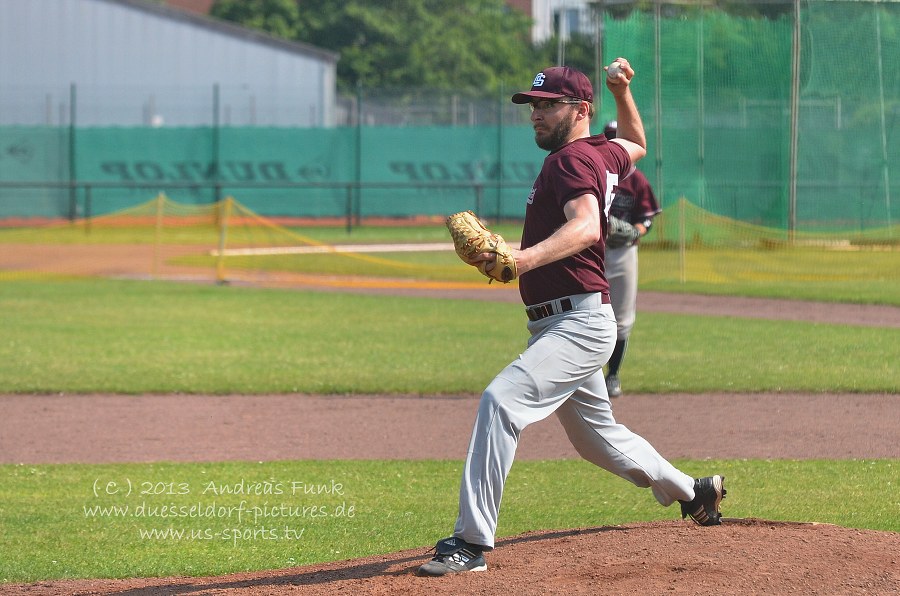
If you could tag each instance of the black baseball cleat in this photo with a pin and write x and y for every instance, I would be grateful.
(453, 555)
(704, 509)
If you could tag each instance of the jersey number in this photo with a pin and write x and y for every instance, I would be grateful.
(612, 180)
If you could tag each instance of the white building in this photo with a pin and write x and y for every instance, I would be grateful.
(136, 63)
(563, 17)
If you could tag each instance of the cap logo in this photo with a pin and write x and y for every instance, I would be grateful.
(539, 80)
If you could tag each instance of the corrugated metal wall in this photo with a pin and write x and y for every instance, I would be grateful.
(133, 63)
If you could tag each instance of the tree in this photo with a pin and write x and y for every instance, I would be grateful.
(463, 45)
(277, 17)
(580, 52)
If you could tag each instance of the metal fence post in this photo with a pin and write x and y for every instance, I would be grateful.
(479, 192)
(224, 209)
(358, 163)
(88, 209)
(500, 106)
(349, 208)
(73, 175)
(795, 123)
(216, 157)
(682, 242)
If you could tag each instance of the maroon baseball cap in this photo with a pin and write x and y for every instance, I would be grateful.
(558, 82)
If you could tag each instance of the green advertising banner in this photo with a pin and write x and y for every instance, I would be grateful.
(378, 171)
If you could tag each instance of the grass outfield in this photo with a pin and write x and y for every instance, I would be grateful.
(134, 520)
(140, 337)
(136, 337)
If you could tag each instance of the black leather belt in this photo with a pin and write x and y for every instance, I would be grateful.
(554, 307)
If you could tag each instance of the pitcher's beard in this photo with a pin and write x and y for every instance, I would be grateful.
(557, 137)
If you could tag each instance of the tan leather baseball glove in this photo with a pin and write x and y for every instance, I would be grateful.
(621, 233)
(471, 238)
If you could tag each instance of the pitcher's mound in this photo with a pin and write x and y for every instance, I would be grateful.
(747, 556)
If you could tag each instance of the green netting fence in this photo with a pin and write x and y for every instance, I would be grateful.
(789, 121)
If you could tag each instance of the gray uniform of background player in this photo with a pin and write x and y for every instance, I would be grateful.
(635, 203)
(561, 369)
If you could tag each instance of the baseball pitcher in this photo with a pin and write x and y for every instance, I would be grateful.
(560, 267)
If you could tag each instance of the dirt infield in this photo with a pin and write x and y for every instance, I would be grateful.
(743, 556)
(111, 428)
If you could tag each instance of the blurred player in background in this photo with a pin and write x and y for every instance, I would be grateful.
(634, 203)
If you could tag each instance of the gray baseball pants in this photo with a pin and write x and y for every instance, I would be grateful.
(622, 274)
(561, 371)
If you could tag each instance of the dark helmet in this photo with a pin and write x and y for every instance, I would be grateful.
(610, 129)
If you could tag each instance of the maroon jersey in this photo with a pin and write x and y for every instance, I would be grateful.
(590, 165)
(633, 200)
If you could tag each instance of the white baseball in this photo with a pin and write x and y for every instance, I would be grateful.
(614, 70)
